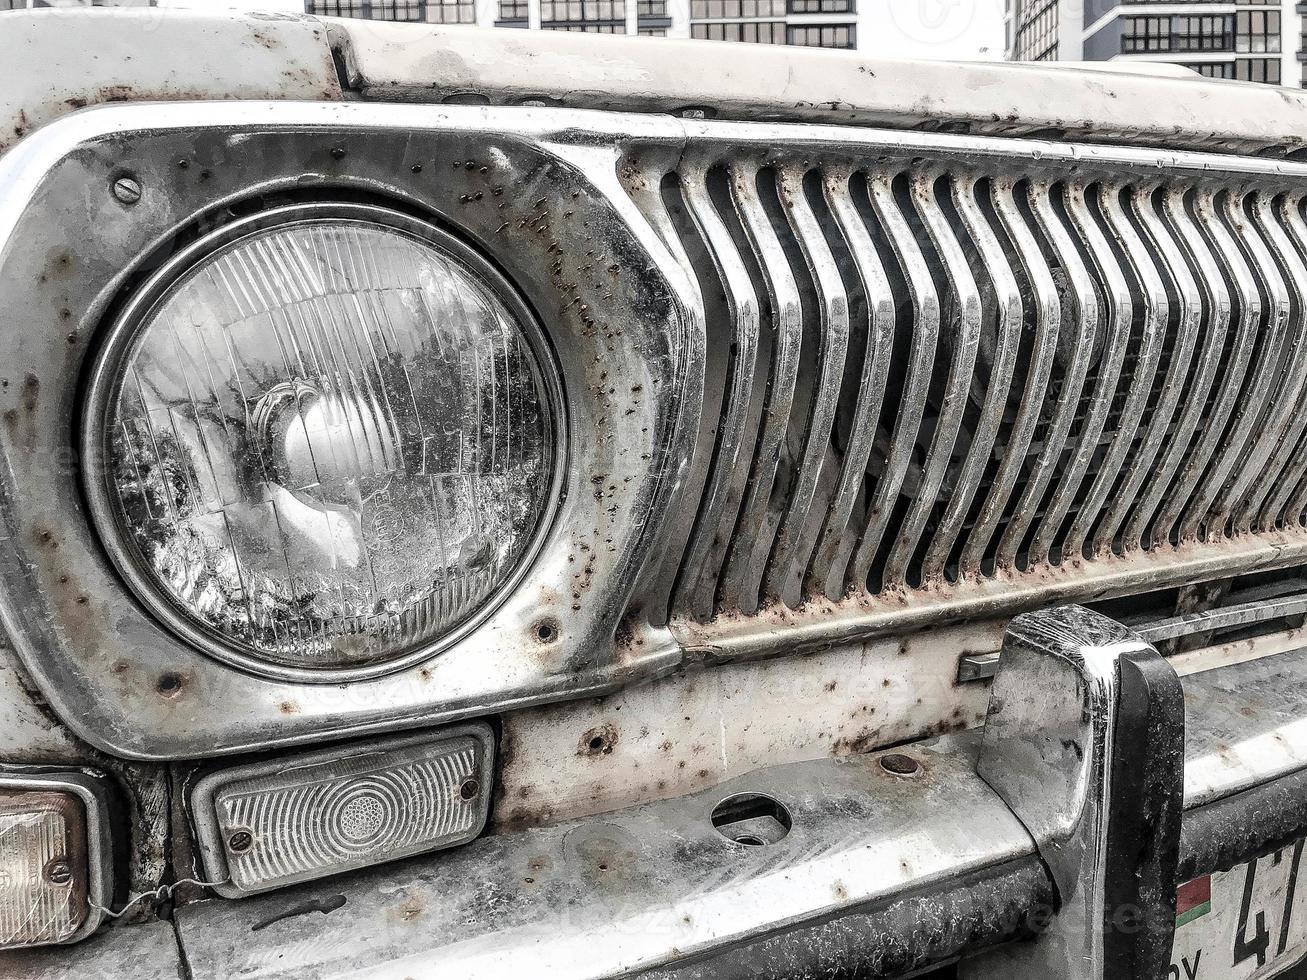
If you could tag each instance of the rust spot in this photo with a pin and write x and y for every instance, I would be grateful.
(599, 740)
(865, 741)
(288, 708)
(830, 686)
(840, 892)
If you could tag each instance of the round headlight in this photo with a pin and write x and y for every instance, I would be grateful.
(325, 441)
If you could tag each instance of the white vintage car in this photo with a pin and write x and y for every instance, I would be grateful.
(489, 504)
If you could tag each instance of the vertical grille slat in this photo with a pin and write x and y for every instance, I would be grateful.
(836, 543)
(794, 548)
(1243, 412)
(938, 381)
(1119, 312)
(1047, 312)
(1218, 306)
(1157, 312)
(1261, 430)
(924, 329)
(751, 544)
(1289, 424)
(1175, 430)
(1290, 503)
(963, 336)
(1008, 311)
(1084, 304)
(718, 511)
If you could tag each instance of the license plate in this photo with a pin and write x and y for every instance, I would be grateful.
(1244, 924)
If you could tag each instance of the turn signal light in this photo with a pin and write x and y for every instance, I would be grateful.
(277, 823)
(54, 879)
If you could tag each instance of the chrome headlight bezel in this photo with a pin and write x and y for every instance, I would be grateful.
(538, 193)
(104, 380)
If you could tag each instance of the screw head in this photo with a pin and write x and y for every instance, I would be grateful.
(127, 190)
(58, 872)
(470, 788)
(240, 841)
(898, 764)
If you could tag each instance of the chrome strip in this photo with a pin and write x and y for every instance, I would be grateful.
(1084, 305)
(837, 540)
(964, 324)
(793, 546)
(746, 563)
(925, 333)
(984, 441)
(717, 514)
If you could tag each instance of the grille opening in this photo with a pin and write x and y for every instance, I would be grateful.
(1149, 607)
(1100, 441)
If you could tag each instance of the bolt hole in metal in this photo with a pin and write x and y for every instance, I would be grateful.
(169, 685)
(546, 631)
(898, 764)
(751, 819)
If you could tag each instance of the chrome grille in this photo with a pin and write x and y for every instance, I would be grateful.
(929, 373)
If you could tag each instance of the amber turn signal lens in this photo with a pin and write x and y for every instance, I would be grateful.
(49, 862)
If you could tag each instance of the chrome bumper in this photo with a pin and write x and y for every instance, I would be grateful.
(880, 873)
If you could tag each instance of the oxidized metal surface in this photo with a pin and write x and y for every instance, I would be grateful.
(1244, 725)
(1119, 102)
(978, 375)
(651, 883)
(570, 206)
(154, 56)
(143, 952)
(1084, 741)
(707, 724)
(549, 212)
(637, 888)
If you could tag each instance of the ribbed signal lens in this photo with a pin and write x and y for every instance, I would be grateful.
(328, 442)
(43, 868)
(296, 818)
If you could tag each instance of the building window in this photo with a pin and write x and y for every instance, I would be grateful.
(755, 31)
(589, 16)
(1181, 32)
(1258, 70)
(822, 35)
(653, 32)
(1036, 34)
(1212, 69)
(1200, 33)
(651, 8)
(735, 9)
(404, 10)
(822, 7)
(417, 11)
(1257, 31)
(513, 10)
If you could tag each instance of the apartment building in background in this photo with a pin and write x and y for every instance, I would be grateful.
(812, 23)
(1251, 40)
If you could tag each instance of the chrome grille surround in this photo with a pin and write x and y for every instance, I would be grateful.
(578, 210)
(958, 376)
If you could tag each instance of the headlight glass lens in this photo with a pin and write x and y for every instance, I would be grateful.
(329, 442)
